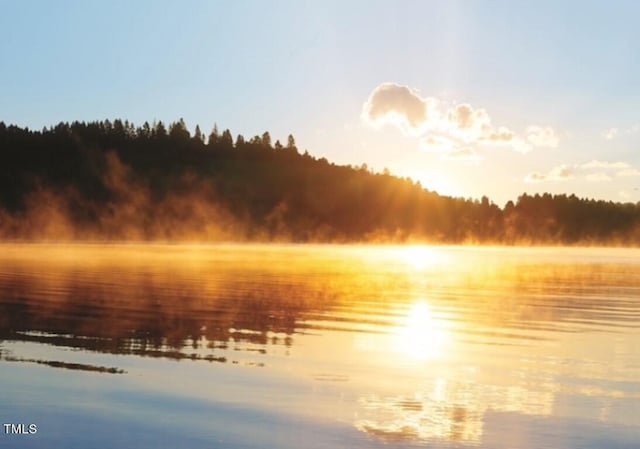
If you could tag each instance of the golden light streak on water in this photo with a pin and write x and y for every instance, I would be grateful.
(420, 335)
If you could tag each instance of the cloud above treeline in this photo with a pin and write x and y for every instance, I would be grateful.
(542, 136)
(598, 177)
(615, 132)
(396, 104)
(456, 131)
(607, 170)
(467, 154)
(605, 164)
(593, 171)
(559, 173)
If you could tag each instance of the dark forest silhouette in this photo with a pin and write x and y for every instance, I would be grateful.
(110, 180)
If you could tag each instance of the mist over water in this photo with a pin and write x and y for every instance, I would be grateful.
(282, 345)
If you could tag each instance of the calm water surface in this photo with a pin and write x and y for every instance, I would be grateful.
(234, 346)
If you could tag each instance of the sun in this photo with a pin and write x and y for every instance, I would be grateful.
(420, 335)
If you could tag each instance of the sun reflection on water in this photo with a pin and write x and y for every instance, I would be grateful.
(412, 346)
(448, 409)
(420, 335)
(441, 411)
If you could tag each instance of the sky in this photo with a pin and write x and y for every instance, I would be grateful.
(469, 98)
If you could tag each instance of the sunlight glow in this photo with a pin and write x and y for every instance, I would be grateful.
(419, 256)
(445, 182)
(420, 335)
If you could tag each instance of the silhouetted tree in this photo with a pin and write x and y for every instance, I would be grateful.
(226, 140)
(197, 135)
(178, 131)
(214, 136)
(291, 143)
(159, 130)
(266, 139)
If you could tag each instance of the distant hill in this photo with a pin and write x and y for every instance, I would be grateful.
(114, 181)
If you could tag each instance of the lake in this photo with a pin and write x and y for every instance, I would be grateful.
(329, 346)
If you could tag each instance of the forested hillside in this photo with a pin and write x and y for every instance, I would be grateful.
(114, 181)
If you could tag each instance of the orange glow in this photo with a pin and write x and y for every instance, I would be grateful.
(420, 335)
(419, 256)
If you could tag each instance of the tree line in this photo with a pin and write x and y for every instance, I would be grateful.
(111, 180)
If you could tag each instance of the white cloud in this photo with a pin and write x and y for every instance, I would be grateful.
(448, 147)
(628, 172)
(472, 127)
(396, 104)
(542, 136)
(462, 154)
(437, 143)
(521, 146)
(501, 134)
(449, 130)
(464, 117)
(468, 124)
(611, 133)
(598, 177)
(559, 173)
(604, 164)
(606, 167)
(535, 177)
